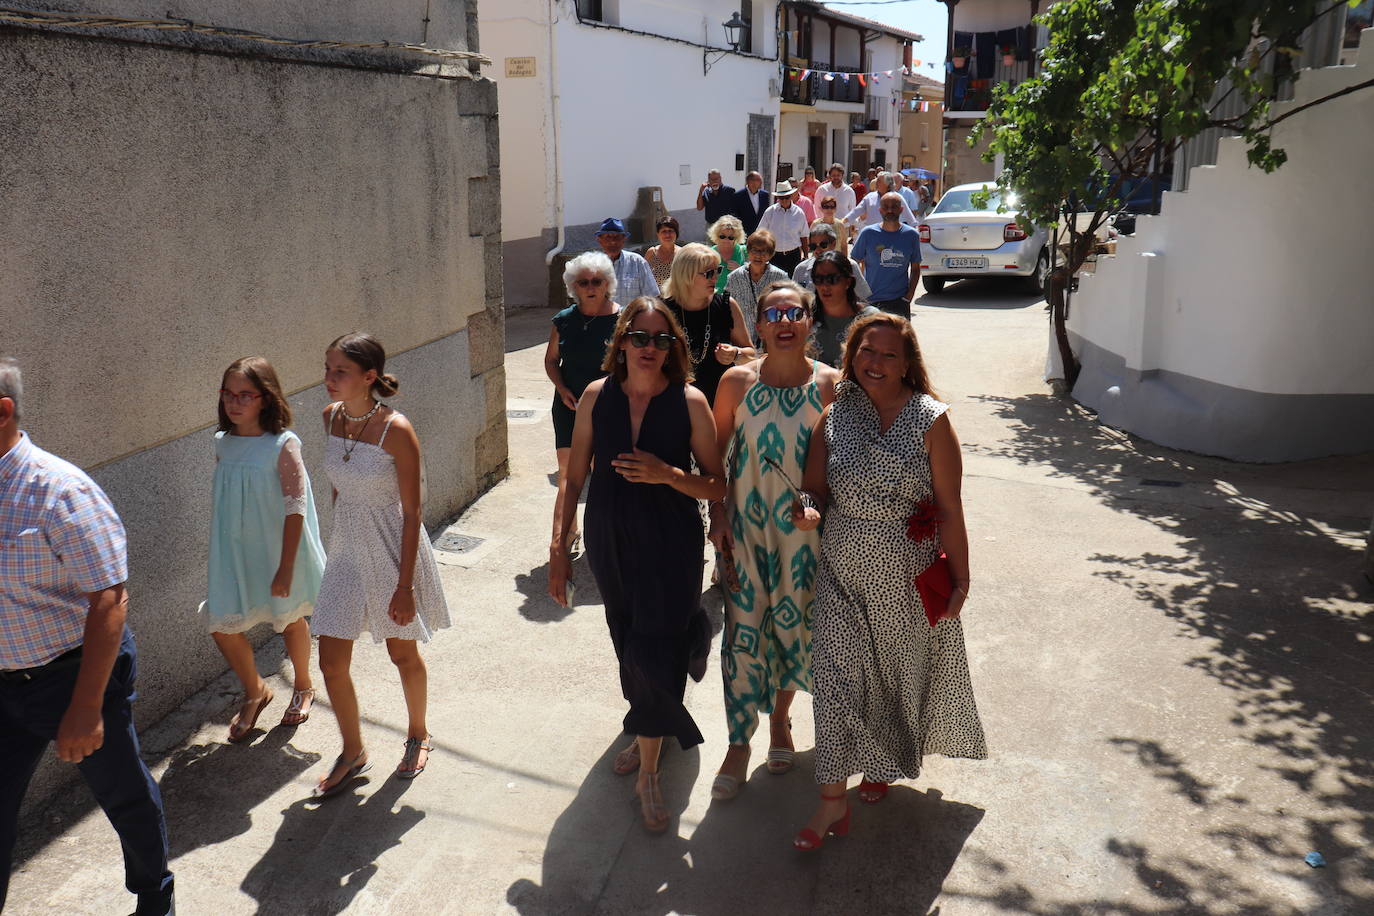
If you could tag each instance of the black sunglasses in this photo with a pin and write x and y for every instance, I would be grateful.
(641, 339)
(712, 273)
(825, 279)
(791, 313)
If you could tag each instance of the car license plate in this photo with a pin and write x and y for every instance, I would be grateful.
(966, 262)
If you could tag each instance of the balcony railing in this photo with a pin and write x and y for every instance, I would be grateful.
(815, 88)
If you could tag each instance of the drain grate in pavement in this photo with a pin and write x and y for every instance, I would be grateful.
(1150, 482)
(457, 543)
(519, 414)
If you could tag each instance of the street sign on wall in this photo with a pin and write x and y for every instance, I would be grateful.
(519, 67)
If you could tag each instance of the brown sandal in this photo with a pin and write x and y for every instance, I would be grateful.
(410, 765)
(299, 711)
(627, 761)
(651, 807)
(242, 725)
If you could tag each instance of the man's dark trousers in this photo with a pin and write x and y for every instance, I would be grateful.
(899, 307)
(30, 712)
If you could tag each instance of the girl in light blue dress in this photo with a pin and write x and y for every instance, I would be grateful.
(266, 558)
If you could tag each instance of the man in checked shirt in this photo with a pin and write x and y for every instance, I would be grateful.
(66, 659)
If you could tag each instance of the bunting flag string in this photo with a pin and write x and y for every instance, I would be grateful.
(864, 78)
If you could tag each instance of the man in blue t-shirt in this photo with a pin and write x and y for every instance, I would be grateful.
(890, 255)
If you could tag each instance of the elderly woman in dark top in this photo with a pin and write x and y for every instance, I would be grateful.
(837, 305)
(577, 344)
(660, 257)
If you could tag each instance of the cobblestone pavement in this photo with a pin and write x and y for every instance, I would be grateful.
(1172, 655)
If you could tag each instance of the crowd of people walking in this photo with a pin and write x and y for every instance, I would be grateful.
(769, 386)
(789, 394)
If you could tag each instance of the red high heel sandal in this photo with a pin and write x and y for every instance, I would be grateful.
(808, 839)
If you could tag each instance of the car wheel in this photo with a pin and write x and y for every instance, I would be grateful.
(933, 285)
(1038, 281)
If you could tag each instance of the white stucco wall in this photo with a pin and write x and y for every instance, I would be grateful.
(1259, 283)
(649, 127)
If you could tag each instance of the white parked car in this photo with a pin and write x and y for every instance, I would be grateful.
(959, 241)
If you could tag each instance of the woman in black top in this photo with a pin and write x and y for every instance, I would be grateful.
(643, 425)
(717, 337)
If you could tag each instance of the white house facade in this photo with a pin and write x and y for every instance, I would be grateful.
(601, 99)
(841, 91)
(1238, 321)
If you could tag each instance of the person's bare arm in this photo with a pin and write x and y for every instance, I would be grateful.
(328, 411)
(291, 478)
(404, 446)
(947, 471)
(813, 476)
(555, 373)
(733, 384)
(82, 729)
(569, 489)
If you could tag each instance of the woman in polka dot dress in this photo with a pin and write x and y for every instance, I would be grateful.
(889, 688)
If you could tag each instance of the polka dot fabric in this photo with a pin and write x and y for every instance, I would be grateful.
(888, 688)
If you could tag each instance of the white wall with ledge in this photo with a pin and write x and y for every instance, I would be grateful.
(1238, 322)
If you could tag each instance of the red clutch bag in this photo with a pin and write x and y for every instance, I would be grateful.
(935, 585)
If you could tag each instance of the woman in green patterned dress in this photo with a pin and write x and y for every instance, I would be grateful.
(765, 411)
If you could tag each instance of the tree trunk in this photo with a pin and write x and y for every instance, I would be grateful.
(1059, 281)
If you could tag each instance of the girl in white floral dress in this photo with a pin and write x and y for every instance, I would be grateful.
(381, 577)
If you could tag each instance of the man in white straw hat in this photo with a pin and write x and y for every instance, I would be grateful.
(789, 227)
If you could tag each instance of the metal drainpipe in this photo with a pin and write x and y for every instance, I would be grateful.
(557, 249)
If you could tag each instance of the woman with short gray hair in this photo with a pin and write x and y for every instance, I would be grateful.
(577, 344)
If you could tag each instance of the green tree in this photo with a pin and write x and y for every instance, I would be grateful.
(1120, 86)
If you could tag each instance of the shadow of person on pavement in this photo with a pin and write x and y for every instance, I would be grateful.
(894, 860)
(983, 295)
(599, 839)
(539, 607)
(739, 858)
(230, 780)
(325, 852)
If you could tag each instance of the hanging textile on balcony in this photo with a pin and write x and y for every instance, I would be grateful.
(985, 54)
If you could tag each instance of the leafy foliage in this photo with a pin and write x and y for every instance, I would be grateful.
(1120, 85)
(1120, 76)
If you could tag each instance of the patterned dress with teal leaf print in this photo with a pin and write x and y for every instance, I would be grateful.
(767, 644)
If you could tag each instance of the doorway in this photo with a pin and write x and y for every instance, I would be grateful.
(758, 147)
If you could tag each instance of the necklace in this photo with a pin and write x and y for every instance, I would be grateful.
(587, 321)
(700, 355)
(377, 405)
(366, 418)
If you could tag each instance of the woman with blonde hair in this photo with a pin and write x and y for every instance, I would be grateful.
(890, 674)
(638, 431)
(727, 235)
(715, 331)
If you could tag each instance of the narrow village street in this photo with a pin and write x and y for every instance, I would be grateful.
(1168, 651)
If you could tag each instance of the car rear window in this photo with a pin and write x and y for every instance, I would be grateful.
(962, 202)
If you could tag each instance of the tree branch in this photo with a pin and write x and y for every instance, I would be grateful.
(1306, 105)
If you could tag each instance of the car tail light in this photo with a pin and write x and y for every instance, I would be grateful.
(925, 233)
(1013, 233)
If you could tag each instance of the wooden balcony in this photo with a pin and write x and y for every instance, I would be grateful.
(815, 88)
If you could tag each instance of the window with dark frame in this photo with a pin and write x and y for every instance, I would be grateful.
(590, 9)
(746, 34)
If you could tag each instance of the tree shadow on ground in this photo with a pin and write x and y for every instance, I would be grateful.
(325, 852)
(739, 858)
(1266, 579)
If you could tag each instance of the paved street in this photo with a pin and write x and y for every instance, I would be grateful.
(1172, 656)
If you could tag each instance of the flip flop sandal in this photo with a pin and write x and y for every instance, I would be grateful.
(627, 761)
(410, 765)
(298, 713)
(355, 769)
(652, 810)
(243, 723)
